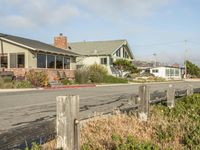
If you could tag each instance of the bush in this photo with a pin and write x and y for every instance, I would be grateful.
(37, 79)
(111, 79)
(4, 84)
(82, 75)
(97, 73)
(23, 84)
(66, 82)
(131, 143)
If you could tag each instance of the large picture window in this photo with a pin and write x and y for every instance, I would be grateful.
(41, 60)
(176, 72)
(59, 62)
(50, 61)
(66, 63)
(20, 61)
(17, 60)
(3, 61)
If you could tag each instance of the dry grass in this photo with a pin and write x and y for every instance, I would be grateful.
(97, 131)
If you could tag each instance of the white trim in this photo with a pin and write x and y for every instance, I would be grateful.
(118, 48)
(124, 43)
(17, 43)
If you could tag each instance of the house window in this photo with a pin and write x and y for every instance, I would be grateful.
(125, 54)
(176, 72)
(4, 61)
(66, 63)
(118, 53)
(104, 61)
(20, 61)
(41, 60)
(59, 62)
(50, 61)
(171, 72)
(167, 72)
(155, 71)
(17, 60)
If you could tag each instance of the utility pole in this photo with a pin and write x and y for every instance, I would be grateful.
(185, 62)
(154, 54)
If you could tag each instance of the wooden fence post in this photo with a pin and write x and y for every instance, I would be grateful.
(171, 96)
(144, 98)
(190, 90)
(67, 125)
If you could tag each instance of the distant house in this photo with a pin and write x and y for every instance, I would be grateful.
(20, 54)
(102, 52)
(167, 72)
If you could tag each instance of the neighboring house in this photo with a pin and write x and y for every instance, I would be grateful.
(167, 72)
(143, 66)
(20, 54)
(102, 52)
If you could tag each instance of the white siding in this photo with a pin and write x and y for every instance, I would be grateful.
(167, 72)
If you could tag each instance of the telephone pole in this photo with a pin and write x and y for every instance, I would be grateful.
(155, 63)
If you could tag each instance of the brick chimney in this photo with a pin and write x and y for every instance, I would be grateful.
(60, 41)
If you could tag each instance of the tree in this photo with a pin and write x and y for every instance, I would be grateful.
(123, 65)
(192, 69)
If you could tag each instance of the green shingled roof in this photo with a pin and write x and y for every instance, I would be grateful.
(96, 47)
(37, 45)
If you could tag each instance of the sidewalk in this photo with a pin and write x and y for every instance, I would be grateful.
(90, 86)
(19, 90)
(192, 80)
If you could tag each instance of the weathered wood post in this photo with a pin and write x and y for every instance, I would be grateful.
(171, 96)
(67, 122)
(190, 90)
(143, 100)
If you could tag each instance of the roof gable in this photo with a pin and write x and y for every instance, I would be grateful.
(97, 47)
(35, 45)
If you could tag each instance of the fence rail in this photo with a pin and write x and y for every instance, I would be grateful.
(43, 130)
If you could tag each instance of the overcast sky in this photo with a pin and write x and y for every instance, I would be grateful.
(150, 26)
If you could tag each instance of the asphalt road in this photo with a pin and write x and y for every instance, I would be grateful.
(21, 108)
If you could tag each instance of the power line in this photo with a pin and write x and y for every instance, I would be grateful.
(160, 44)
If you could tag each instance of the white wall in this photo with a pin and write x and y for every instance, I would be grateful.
(162, 72)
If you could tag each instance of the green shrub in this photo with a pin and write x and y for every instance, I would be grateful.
(187, 111)
(131, 143)
(97, 73)
(34, 146)
(66, 82)
(82, 75)
(37, 79)
(23, 84)
(111, 79)
(4, 84)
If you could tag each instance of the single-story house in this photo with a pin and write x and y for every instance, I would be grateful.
(102, 52)
(167, 72)
(20, 55)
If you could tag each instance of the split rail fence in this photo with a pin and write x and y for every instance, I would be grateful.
(66, 127)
